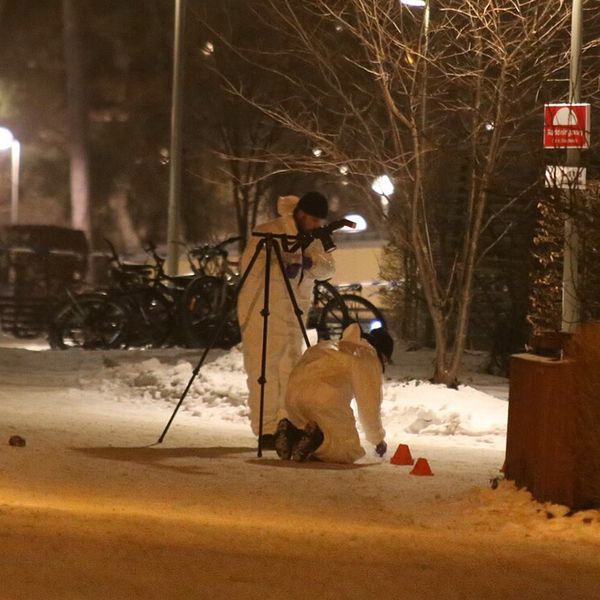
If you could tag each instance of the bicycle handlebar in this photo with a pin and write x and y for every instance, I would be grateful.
(151, 250)
(219, 248)
(115, 257)
(229, 241)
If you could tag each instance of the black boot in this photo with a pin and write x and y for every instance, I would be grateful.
(286, 436)
(311, 438)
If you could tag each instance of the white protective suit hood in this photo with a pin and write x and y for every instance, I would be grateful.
(286, 205)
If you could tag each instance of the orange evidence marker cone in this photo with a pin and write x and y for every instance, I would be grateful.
(422, 468)
(402, 456)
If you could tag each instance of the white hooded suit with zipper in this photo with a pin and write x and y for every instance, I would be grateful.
(285, 341)
(321, 387)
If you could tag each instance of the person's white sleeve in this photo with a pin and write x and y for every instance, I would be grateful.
(323, 266)
(367, 381)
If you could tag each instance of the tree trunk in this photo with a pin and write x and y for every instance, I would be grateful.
(77, 118)
(117, 202)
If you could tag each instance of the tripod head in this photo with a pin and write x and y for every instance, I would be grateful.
(293, 243)
(305, 238)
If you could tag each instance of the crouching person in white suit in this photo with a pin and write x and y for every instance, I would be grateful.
(329, 375)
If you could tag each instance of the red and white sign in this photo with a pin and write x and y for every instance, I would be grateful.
(566, 126)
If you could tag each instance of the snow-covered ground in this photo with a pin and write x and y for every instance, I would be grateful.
(93, 508)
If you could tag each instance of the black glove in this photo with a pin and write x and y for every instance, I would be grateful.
(381, 448)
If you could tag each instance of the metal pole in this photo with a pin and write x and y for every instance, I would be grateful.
(14, 181)
(426, 16)
(172, 266)
(570, 301)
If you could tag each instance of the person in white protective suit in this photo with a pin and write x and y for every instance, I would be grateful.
(284, 343)
(322, 385)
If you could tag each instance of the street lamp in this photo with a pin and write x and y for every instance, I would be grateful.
(174, 217)
(14, 188)
(383, 186)
(426, 16)
(8, 141)
(6, 138)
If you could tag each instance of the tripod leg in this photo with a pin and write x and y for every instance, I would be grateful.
(263, 365)
(297, 310)
(189, 383)
(213, 340)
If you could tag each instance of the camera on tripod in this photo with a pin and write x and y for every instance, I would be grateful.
(305, 238)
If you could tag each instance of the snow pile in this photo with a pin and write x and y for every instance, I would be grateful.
(424, 408)
(521, 514)
(219, 393)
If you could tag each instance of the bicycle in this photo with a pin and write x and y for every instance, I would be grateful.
(89, 320)
(137, 309)
(210, 297)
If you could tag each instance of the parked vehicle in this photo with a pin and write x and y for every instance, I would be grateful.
(37, 263)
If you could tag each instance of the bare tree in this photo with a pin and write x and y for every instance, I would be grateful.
(379, 90)
(244, 143)
(245, 140)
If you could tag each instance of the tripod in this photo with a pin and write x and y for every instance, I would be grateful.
(269, 242)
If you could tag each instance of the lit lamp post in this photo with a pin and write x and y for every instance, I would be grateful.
(174, 208)
(426, 13)
(420, 4)
(383, 186)
(7, 141)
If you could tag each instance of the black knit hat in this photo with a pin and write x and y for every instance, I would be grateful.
(382, 341)
(314, 204)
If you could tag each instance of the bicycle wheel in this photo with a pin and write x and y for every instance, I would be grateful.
(89, 321)
(323, 292)
(206, 303)
(151, 317)
(333, 319)
(365, 313)
(339, 312)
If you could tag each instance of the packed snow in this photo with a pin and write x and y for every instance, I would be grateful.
(93, 508)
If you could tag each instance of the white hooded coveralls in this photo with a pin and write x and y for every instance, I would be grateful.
(321, 388)
(284, 342)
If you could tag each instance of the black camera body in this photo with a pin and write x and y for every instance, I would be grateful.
(305, 238)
